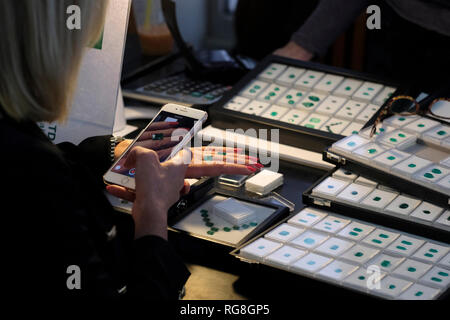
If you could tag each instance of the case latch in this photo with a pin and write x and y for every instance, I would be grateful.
(322, 202)
(335, 158)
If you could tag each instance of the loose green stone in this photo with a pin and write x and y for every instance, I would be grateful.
(210, 232)
(299, 94)
(312, 77)
(257, 87)
(359, 254)
(288, 96)
(314, 120)
(384, 236)
(291, 101)
(385, 263)
(274, 114)
(412, 165)
(329, 82)
(404, 206)
(209, 224)
(421, 125)
(393, 140)
(437, 171)
(441, 133)
(372, 151)
(392, 286)
(292, 76)
(272, 94)
(245, 226)
(308, 104)
(391, 158)
(314, 98)
(361, 277)
(433, 250)
(277, 89)
(214, 229)
(426, 211)
(428, 175)
(253, 224)
(226, 229)
(252, 91)
(236, 227)
(348, 88)
(311, 126)
(376, 199)
(411, 269)
(401, 135)
(305, 82)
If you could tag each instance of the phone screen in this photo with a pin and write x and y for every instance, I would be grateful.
(162, 136)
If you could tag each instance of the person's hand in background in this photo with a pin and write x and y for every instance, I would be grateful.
(294, 51)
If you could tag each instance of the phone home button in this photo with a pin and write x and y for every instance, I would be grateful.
(125, 180)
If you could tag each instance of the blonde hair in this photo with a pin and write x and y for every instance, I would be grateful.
(40, 57)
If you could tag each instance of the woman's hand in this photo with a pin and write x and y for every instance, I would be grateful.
(294, 51)
(158, 187)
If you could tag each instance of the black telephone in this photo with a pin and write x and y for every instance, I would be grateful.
(200, 79)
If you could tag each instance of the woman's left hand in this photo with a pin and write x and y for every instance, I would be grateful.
(212, 161)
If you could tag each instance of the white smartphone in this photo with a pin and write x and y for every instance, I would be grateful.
(170, 130)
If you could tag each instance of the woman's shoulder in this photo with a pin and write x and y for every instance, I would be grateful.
(26, 148)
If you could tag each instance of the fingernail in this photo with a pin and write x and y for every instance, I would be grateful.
(259, 165)
(251, 169)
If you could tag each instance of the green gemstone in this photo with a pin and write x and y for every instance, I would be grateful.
(428, 175)
(210, 232)
(376, 199)
(288, 96)
(299, 94)
(274, 114)
(292, 76)
(253, 224)
(314, 98)
(308, 104)
(361, 277)
(209, 224)
(257, 87)
(421, 125)
(441, 133)
(401, 135)
(392, 286)
(426, 211)
(314, 120)
(359, 254)
(236, 227)
(393, 140)
(214, 229)
(277, 89)
(372, 151)
(411, 269)
(245, 226)
(348, 88)
(291, 101)
(404, 206)
(437, 171)
(412, 165)
(391, 158)
(385, 263)
(226, 229)
(384, 236)
(272, 94)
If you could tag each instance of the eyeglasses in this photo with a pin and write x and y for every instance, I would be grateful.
(407, 106)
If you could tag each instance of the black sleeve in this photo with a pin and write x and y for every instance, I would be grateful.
(330, 19)
(158, 271)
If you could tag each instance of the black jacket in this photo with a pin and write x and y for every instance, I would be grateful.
(55, 215)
